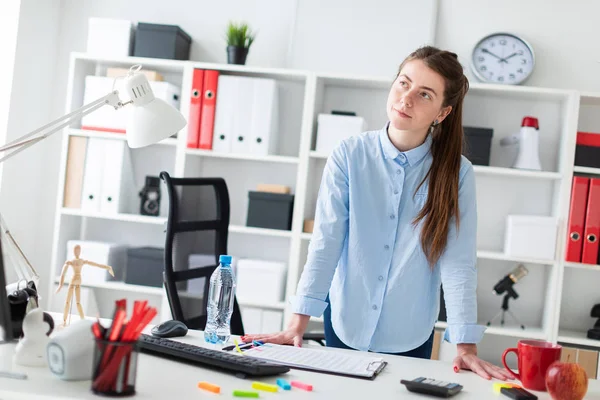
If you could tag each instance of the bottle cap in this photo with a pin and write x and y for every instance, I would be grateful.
(224, 259)
(531, 122)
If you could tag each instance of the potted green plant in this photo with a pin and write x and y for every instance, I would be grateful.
(239, 39)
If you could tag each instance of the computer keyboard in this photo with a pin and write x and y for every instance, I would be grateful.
(201, 356)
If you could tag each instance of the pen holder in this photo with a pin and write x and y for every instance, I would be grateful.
(114, 368)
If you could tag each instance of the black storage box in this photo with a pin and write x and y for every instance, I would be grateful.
(270, 210)
(478, 142)
(161, 41)
(587, 150)
(145, 266)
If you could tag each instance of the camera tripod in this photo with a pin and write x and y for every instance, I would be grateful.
(504, 309)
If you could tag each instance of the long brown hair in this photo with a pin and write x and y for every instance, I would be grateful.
(441, 205)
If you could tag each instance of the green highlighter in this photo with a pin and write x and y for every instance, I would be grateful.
(245, 393)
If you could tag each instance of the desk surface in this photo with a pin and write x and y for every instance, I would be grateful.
(158, 378)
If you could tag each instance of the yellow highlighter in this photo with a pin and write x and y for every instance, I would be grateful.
(264, 386)
(237, 347)
(500, 385)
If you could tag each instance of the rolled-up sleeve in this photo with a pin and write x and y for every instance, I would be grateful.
(329, 233)
(458, 267)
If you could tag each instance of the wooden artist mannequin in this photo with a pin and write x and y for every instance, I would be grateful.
(75, 285)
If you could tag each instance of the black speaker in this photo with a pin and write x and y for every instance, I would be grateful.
(150, 197)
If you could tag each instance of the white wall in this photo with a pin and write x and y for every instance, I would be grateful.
(563, 34)
(22, 200)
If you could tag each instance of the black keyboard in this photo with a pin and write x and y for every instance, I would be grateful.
(228, 362)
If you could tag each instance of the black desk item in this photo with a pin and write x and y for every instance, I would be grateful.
(432, 387)
(518, 393)
(200, 356)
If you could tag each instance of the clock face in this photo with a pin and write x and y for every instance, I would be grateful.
(502, 58)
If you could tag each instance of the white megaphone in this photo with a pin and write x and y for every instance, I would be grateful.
(528, 141)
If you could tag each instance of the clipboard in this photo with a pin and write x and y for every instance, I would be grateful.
(346, 364)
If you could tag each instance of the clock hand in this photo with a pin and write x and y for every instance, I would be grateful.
(506, 58)
(484, 50)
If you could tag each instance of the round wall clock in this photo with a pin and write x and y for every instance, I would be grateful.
(502, 58)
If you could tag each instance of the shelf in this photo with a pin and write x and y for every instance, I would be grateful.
(586, 170)
(593, 267)
(257, 304)
(528, 333)
(247, 157)
(259, 231)
(576, 337)
(126, 62)
(114, 285)
(493, 255)
(113, 136)
(590, 99)
(143, 219)
(517, 173)
(314, 154)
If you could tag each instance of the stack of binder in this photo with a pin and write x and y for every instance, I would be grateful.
(99, 176)
(584, 221)
(233, 114)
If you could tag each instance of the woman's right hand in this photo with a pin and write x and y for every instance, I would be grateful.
(291, 336)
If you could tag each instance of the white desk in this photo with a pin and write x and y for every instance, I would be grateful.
(158, 378)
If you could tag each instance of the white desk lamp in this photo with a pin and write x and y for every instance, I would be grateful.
(150, 121)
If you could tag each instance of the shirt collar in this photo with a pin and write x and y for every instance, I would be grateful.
(412, 156)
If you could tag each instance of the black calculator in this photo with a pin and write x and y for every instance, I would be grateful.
(432, 387)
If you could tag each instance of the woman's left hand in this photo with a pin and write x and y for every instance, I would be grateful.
(467, 359)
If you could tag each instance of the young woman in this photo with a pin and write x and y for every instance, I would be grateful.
(396, 217)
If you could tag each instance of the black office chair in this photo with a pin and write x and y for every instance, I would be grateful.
(197, 225)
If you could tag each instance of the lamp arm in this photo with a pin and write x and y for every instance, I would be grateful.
(24, 142)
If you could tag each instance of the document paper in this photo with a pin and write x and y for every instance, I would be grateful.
(319, 360)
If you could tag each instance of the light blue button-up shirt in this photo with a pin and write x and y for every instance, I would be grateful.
(366, 253)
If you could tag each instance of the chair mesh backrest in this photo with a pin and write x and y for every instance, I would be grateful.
(196, 236)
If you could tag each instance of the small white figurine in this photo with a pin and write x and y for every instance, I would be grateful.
(31, 349)
(75, 284)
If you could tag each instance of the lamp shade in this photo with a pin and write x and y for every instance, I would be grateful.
(150, 119)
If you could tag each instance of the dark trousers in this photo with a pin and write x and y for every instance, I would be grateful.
(332, 340)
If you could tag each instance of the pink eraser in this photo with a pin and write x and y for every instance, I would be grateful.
(301, 385)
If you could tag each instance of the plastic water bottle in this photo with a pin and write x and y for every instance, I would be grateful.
(220, 303)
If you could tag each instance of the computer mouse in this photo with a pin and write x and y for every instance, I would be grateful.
(168, 329)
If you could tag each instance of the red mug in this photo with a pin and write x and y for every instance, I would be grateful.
(533, 359)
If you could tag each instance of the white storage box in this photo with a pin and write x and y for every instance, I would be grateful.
(332, 129)
(110, 37)
(260, 281)
(531, 236)
(108, 119)
(112, 254)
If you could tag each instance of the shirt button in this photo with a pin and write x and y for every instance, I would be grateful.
(396, 191)
(392, 216)
(374, 307)
(398, 172)
(386, 247)
(380, 277)
(402, 157)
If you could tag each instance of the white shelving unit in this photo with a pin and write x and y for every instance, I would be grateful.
(501, 190)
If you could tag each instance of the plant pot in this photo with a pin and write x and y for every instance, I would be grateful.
(236, 55)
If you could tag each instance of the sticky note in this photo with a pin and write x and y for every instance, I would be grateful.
(245, 393)
(210, 387)
(264, 386)
(499, 385)
(282, 383)
(301, 385)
